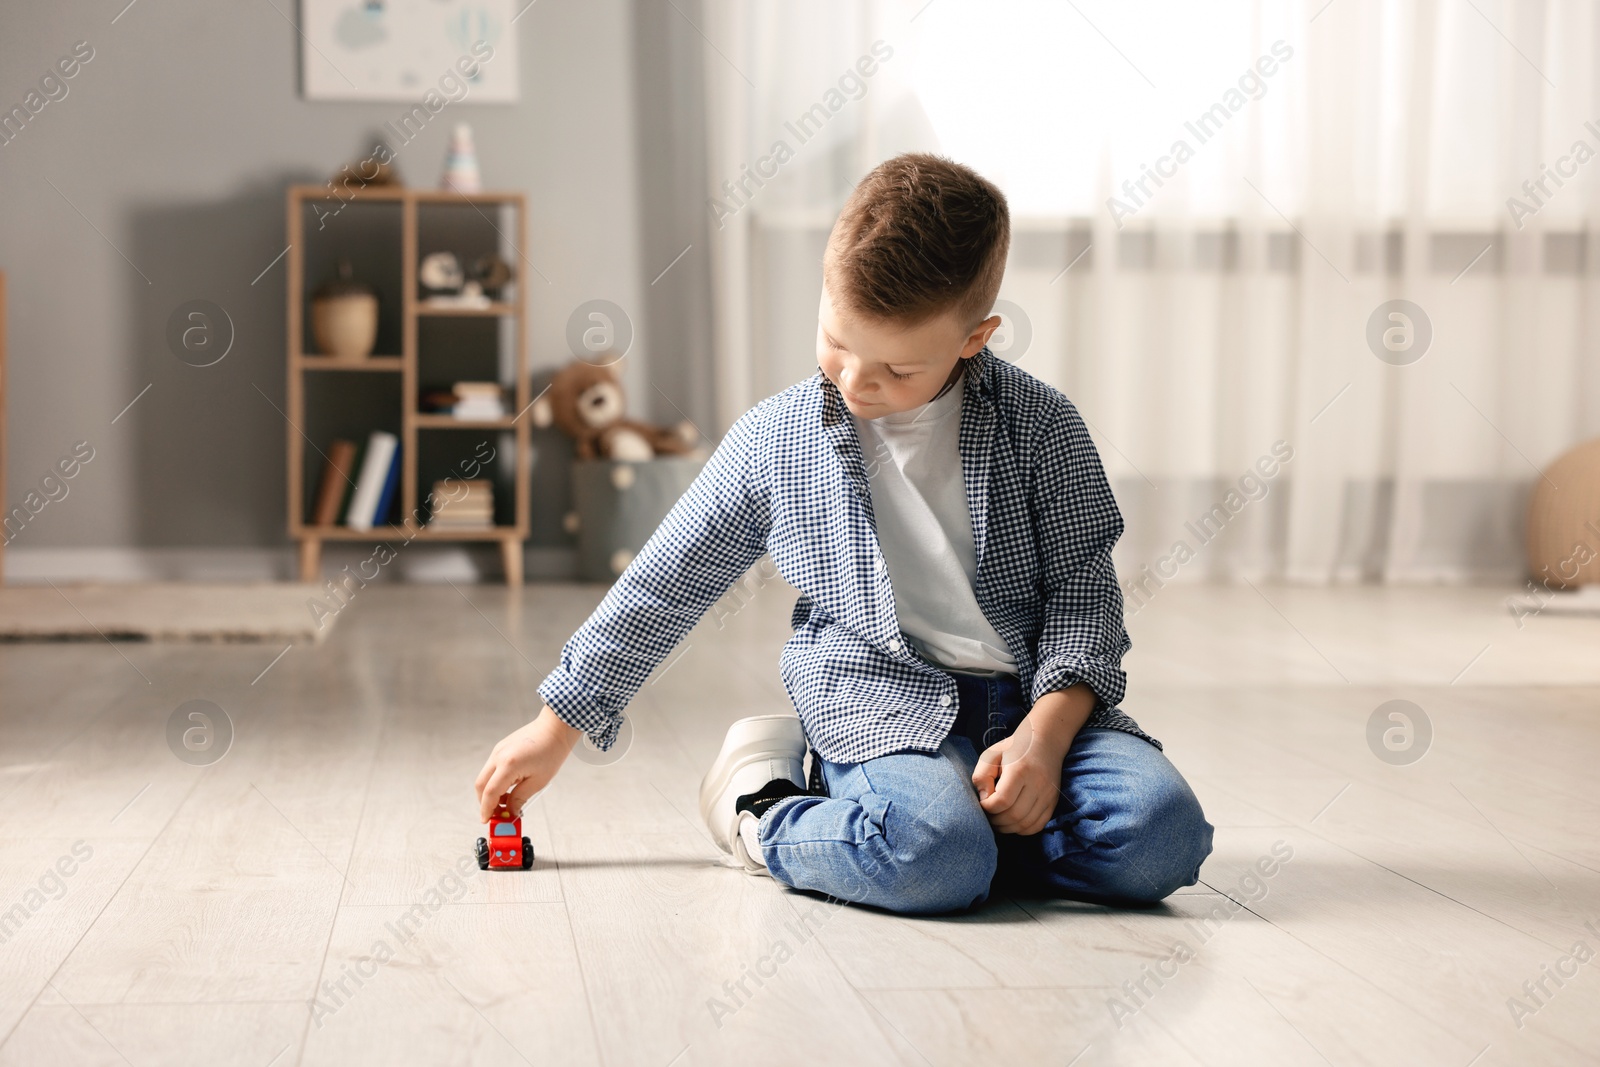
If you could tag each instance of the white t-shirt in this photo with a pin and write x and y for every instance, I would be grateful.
(919, 498)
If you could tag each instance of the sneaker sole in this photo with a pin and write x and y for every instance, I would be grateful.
(742, 855)
(776, 740)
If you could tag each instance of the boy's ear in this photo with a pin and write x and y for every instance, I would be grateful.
(980, 336)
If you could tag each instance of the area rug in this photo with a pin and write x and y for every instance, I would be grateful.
(173, 611)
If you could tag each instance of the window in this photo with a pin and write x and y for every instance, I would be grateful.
(1051, 99)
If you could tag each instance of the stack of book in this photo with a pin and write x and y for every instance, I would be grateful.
(455, 509)
(479, 400)
(363, 499)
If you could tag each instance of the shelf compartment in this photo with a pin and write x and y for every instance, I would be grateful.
(367, 231)
(330, 410)
(460, 451)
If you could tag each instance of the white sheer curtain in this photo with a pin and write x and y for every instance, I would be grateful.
(1336, 157)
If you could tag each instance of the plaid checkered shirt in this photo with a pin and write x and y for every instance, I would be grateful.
(789, 479)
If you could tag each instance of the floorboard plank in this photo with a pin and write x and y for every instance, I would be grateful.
(464, 983)
(714, 966)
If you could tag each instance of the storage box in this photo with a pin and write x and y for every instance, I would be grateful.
(618, 505)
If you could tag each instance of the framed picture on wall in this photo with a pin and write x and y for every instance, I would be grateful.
(464, 50)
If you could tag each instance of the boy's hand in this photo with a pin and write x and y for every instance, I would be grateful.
(1019, 779)
(524, 762)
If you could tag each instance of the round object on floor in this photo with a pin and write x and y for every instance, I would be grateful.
(1564, 520)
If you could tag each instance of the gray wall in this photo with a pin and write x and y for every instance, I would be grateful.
(175, 143)
(674, 215)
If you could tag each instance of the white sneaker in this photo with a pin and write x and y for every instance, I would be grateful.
(761, 751)
(750, 840)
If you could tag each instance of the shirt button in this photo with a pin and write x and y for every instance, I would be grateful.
(894, 645)
(944, 701)
(877, 564)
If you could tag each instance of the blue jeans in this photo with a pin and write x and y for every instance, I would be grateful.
(904, 832)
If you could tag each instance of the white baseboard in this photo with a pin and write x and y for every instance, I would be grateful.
(423, 563)
(416, 563)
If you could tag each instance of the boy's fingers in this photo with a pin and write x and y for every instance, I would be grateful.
(499, 782)
(494, 763)
(1012, 823)
(520, 795)
(1015, 813)
(1004, 796)
(1035, 819)
(983, 775)
(1026, 814)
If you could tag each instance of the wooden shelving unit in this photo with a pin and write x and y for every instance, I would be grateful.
(310, 371)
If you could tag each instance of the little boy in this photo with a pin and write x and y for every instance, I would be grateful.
(957, 643)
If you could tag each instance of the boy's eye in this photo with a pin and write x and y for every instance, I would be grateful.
(897, 374)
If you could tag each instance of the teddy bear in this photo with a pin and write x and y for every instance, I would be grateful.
(586, 401)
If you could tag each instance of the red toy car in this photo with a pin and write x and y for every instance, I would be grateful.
(506, 848)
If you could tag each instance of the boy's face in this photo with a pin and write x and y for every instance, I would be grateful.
(883, 367)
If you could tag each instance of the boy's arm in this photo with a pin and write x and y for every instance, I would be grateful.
(714, 533)
(1083, 638)
(1082, 641)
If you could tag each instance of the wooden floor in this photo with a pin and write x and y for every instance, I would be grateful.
(208, 905)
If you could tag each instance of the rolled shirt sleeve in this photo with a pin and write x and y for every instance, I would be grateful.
(1083, 638)
(710, 538)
